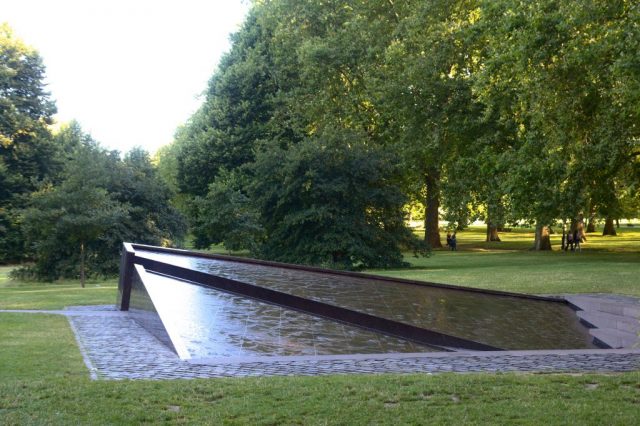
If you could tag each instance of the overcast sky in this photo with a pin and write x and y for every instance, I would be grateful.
(130, 71)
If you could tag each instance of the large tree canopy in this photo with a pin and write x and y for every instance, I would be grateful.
(268, 96)
(25, 145)
(505, 110)
(554, 75)
(238, 112)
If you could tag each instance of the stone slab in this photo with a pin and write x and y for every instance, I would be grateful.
(615, 338)
(604, 320)
(615, 318)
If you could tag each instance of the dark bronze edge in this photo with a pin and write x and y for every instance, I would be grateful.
(126, 275)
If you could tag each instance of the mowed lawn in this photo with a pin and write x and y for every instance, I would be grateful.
(608, 264)
(36, 295)
(43, 379)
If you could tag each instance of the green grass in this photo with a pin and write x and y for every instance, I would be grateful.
(37, 295)
(445, 399)
(36, 346)
(44, 381)
(605, 264)
(473, 239)
(524, 272)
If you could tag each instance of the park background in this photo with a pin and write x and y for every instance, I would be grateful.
(324, 131)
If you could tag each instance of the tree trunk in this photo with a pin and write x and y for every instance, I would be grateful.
(543, 240)
(609, 229)
(82, 272)
(431, 216)
(492, 232)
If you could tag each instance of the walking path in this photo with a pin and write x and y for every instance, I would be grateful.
(115, 347)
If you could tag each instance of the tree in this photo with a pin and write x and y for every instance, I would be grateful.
(237, 113)
(426, 95)
(299, 84)
(332, 200)
(152, 217)
(25, 146)
(65, 223)
(76, 223)
(553, 75)
(396, 71)
(227, 215)
(504, 110)
(246, 109)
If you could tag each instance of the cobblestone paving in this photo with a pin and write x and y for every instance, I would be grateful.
(115, 347)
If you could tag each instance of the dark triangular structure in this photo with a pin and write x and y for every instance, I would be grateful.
(285, 286)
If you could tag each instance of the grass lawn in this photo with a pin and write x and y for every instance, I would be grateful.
(44, 381)
(35, 295)
(605, 264)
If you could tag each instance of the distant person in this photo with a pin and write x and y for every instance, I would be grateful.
(449, 240)
(581, 231)
(569, 244)
(576, 240)
(453, 242)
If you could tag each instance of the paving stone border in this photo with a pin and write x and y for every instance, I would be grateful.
(115, 347)
(118, 348)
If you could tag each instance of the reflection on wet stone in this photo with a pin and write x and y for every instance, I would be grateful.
(245, 327)
(506, 322)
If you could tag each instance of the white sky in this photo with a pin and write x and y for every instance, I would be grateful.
(130, 71)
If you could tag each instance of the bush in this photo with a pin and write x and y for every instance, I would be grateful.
(332, 200)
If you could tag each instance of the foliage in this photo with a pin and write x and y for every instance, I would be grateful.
(236, 115)
(98, 201)
(258, 105)
(25, 145)
(553, 79)
(332, 200)
(227, 215)
(427, 96)
(152, 218)
(26, 107)
(66, 224)
(499, 110)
